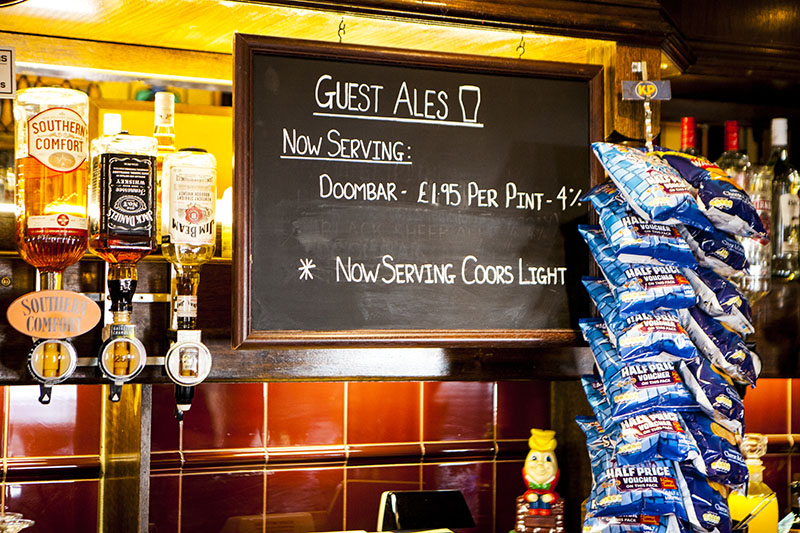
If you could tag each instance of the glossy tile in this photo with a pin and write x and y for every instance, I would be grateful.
(508, 486)
(225, 415)
(364, 489)
(522, 405)
(164, 427)
(476, 483)
(222, 502)
(164, 503)
(457, 411)
(69, 425)
(62, 506)
(305, 414)
(766, 407)
(383, 412)
(306, 496)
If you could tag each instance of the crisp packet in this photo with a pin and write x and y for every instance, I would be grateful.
(722, 346)
(720, 298)
(653, 488)
(720, 448)
(656, 336)
(634, 239)
(715, 250)
(714, 392)
(709, 510)
(652, 188)
(634, 388)
(640, 438)
(598, 442)
(639, 288)
(631, 524)
(725, 204)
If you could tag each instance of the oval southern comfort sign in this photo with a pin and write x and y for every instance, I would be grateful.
(53, 314)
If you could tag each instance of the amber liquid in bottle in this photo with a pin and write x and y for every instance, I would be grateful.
(43, 191)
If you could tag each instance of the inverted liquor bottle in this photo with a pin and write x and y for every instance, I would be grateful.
(688, 136)
(785, 205)
(51, 160)
(188, 226)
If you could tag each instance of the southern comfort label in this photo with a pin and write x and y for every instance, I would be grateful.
(57, 139)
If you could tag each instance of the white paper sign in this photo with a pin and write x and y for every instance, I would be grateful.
(8, 85)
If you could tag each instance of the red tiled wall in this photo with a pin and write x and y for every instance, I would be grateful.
(259, 456)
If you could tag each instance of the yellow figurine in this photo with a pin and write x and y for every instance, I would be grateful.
(540, 472)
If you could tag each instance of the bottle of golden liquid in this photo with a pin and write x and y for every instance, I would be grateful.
(164, 133)
(51, 158)
(759, 498)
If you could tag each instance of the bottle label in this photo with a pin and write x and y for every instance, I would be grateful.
(763, 207)
(186, 306)
(57, 138)
(192, 203)
(165, 110)
(61, 223)
(789, 205)
(127, 193)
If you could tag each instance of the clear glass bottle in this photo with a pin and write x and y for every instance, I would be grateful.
(51, 181)
(785, 205)
(689, 136)
(732, 161)
(164, 133)
(188, 225)
(757, 278)
(741, 505)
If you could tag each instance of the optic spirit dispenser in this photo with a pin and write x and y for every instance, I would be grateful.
(51, 218)
(122, 215)
(188, 231)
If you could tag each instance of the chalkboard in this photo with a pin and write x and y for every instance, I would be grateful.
(394, 197)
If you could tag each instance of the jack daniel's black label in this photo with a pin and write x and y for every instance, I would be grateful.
(127, 194)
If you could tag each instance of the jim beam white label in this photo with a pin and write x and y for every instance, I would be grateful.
(61, 223)
(191, 200)
(186, 306)
(57, 139)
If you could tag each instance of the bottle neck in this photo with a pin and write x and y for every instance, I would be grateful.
(51, 280)
(688, 133)
(731, 136)
(779, 153)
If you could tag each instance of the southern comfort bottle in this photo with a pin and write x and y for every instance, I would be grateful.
(122, 219)
(51, 205)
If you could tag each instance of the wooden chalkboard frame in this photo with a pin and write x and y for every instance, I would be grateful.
(246, 47)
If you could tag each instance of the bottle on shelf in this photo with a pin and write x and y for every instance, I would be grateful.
(732, 161)
(756, 280)
(122, 220)
(164, 133)
(759, 507)
(689, 136)
(785, 205)
(188, 229)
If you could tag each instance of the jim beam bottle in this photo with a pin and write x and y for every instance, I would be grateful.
(188, 230)
(122, 217)
(51, 204)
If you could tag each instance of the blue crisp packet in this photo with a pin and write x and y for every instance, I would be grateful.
(725, 204)
(639, 288)
(720, 298)
(652, 188)
(709, 510)
(714, 392)
(723, 459)
(653, 488)
(598, 442)
(634, 239)
(723, 347)
(631, 524)
(634, 388)
(715, 250)
(656, 336)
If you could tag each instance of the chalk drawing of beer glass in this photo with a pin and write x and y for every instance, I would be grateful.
(469, 96)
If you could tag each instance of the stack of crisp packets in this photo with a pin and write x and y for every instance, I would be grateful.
(664, 441)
